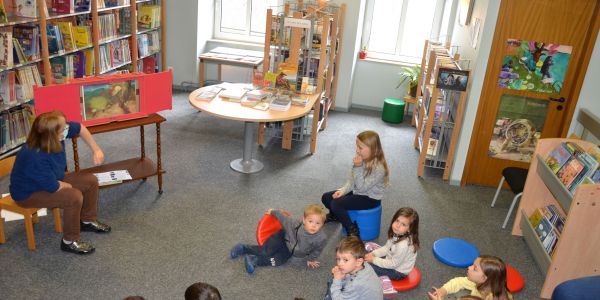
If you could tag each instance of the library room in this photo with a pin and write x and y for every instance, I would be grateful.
(300, 149)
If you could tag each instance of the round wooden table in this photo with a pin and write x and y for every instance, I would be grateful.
(235, 111)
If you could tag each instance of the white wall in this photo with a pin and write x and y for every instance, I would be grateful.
(589, 96)
(488, 14)
(375, 81)
(186, 39)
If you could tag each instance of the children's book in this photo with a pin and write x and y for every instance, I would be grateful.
(3, 17)
(208, 93)
(570, 171)
(535, 218)
(82, 36)
(6, 47)
(558, 157)
(543, 228)
(261, 106)
(233, 93)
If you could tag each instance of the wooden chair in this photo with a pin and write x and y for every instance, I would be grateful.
(30, 214)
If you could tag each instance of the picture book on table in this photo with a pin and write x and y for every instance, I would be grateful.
(558, 157)
(570, 171)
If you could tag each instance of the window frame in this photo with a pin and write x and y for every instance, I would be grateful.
(435, 29)
(231, 34)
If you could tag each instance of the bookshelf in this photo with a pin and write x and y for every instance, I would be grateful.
(438, 112)
(576, 252)
(116, 42)
(317, 60)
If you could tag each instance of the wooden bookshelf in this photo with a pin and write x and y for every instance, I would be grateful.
(429, 120)
(43, 64)
(576, 252)
(330, 20)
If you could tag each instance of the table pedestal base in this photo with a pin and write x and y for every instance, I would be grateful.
(246, 167)
(247, 164)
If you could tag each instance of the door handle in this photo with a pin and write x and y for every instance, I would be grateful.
(559, 100)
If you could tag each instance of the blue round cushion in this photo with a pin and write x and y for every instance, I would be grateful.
(455, 252)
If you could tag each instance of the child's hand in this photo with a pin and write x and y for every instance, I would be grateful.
(313, 264)
(337, 194)
(437, 294)
(357, 160)
(268, 212)
(369, 257)
(337, 273)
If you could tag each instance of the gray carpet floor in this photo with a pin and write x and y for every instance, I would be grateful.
(161, 244)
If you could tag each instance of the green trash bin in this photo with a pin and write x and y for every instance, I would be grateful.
(393, 110)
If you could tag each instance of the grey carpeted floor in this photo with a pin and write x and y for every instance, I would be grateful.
(160, 244)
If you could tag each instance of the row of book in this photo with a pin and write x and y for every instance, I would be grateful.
(148, 16)
(548, 223)
(148, 43)
(574, 165)
(64, 36)
(14, 126)
(114, 54)
(76, 65)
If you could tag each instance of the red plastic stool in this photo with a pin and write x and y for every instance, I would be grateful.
(514, 281)
(410, 282)
(267, 225)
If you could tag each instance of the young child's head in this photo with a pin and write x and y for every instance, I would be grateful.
(202, 291)
(368, 147)
(405, 224)
(314, 218)
(489, 274)
(47, 131)
(350, 254)
(470, 297)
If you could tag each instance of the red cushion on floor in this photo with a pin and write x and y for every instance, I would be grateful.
(267, 225)
(410, 282)
(514, 280)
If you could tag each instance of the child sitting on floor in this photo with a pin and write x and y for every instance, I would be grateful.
(486, 278)
(352, 278)
(298, 239)
(397, 257)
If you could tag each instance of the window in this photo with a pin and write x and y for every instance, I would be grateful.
(242, 20)
(397, 29)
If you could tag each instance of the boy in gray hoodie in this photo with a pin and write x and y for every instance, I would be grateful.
(300, 240)
(352, 278)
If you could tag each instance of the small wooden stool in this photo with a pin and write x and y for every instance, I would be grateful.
(31, 217)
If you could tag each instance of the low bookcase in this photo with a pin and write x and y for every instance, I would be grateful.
(577, 250)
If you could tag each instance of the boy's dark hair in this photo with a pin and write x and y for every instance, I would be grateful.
(202, 291)
(413, 227)
(352, 244)
(134, 298)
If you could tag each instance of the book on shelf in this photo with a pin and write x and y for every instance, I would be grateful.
(149, 64)
(6, 47)
(569, 172)
(82, 36)
(148, 16)
(432, 147)
(28, 8)
(82, 6)
(63, 6)
(66, 29)
(3, 16)
(28, 37)
(558, 157)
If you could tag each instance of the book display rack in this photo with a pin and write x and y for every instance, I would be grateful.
(307, 42)
(46, 42)
(439, 111)
(576, 251)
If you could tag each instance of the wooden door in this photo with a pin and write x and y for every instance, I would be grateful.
(520, 99)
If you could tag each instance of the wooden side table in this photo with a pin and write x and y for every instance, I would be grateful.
(411, 100)
(139, 168)
(228, 56)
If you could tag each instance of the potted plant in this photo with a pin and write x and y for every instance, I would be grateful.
(363, 52)
(410, 75)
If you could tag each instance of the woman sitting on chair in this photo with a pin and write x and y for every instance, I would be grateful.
(38, 178)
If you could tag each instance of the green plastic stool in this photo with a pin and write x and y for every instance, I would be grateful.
(393, 110)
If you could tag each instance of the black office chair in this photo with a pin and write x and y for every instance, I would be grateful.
(515, 178)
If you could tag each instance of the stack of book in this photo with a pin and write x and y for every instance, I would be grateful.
(208, 93)
(254, 97)
(299, 100)
(233, 94)
(574, 166)
(548, 223)
(281, 103)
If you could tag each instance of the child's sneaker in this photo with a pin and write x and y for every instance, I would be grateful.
(250, 263)
(236, 251)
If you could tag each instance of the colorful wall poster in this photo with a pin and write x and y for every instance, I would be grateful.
(534, 66)
(518, 126)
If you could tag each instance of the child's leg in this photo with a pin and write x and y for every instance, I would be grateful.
(327, 198)
(391, 273)
(274, 252)
(350, 201)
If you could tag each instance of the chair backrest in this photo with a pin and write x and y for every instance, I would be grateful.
(6, 165)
